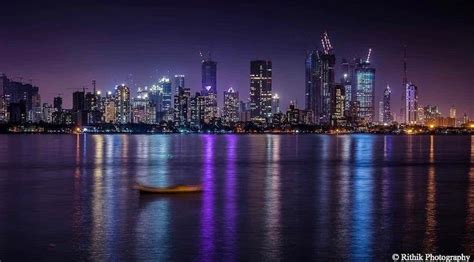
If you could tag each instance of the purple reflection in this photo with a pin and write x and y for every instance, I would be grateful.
(230, 200)
(207, 211)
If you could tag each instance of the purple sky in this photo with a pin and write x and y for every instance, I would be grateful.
(65, 45)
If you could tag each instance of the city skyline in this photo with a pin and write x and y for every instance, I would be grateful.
(109, 56)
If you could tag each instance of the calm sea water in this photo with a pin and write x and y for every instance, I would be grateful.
(266, 197)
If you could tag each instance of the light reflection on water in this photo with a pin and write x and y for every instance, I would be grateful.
(266, 197)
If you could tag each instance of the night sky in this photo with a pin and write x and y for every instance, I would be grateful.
(64, 45)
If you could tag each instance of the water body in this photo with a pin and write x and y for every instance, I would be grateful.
(266, 197)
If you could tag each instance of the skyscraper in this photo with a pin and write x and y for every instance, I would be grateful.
(231, 106)
(167, 101)
(178, 83)
(275, 104)
(182, 112)
(328, 63)
(260, 90)
(123, 106)
(387, 113)
(411, 104)
(365, 86)
(337, 105)
(58, 104)
(452, 112)
(313, 84)
(209, 77)
(403, 109)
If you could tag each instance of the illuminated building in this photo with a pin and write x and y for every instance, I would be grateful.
(313, 83)
(365, 90)
(15, 92)
(178, 83)
(260, 90)
(231, 106)
(142, 109)
(387, 111)
(109, 108)
(197, 104)
(411, 105)
(47, 113)
(182, 111)
(275, 104)
(293, 114)
(58, 104)
(209, 88)
(338, 105)
(452, 112)
(380, 118)
(166, 112)
(122, 104)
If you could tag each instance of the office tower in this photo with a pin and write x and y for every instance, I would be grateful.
(347, 81)
(365, 90)
(156, 99)
(293, 114)
(387, 111)
(17, 112)
(79, 115)
(275, 104)
(14, 92)
(209, 89)
(182, 111)
(36, 113)
(142, 109)
(122, 104)
(380, 116)
(327, 74)
(403, 109)
(110, 108)
(58, 104)
(313, 84)
(411, 104)
(338, 102)
(178, 83)
(231, 106)
(166, 113)
(209, 77)
(452, 112)
(47, 113)
(197, 104)
(260, 90)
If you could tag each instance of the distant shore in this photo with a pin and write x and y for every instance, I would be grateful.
(241, 129)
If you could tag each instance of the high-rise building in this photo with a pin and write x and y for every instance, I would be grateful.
(313, 84)
(275, 104)
(347, 81)
(142, 109)
(167, 101)
(178, 83)
(365, 89)
(122, 104)
(14, 92)
(411, 104)
(197, 106)
(387, 111)
(182, 104)
(260, 90)
(231, 106)
(58, 104)
(110, 108)
(338, 102)
(209, 77)
(452, 111)
(380, 118)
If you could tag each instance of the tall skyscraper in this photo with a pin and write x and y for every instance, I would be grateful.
(387, 113)
(337, 105)
(231, 106)
(365, 86)
(320, 75)
(380, 118)
(123, 105)
(178, 83)
(403, 109)
(452, 112)
(167, 101)
(411, 104)
(209, 77)
(275, 104)
(58, 104)
(313, 84)
(260, 90)
(347, 81)
(182, 112)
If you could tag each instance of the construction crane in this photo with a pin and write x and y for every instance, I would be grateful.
(327, 47)
(368, 56)
(204, 58)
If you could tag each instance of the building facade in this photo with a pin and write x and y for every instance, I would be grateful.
(260, 90)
